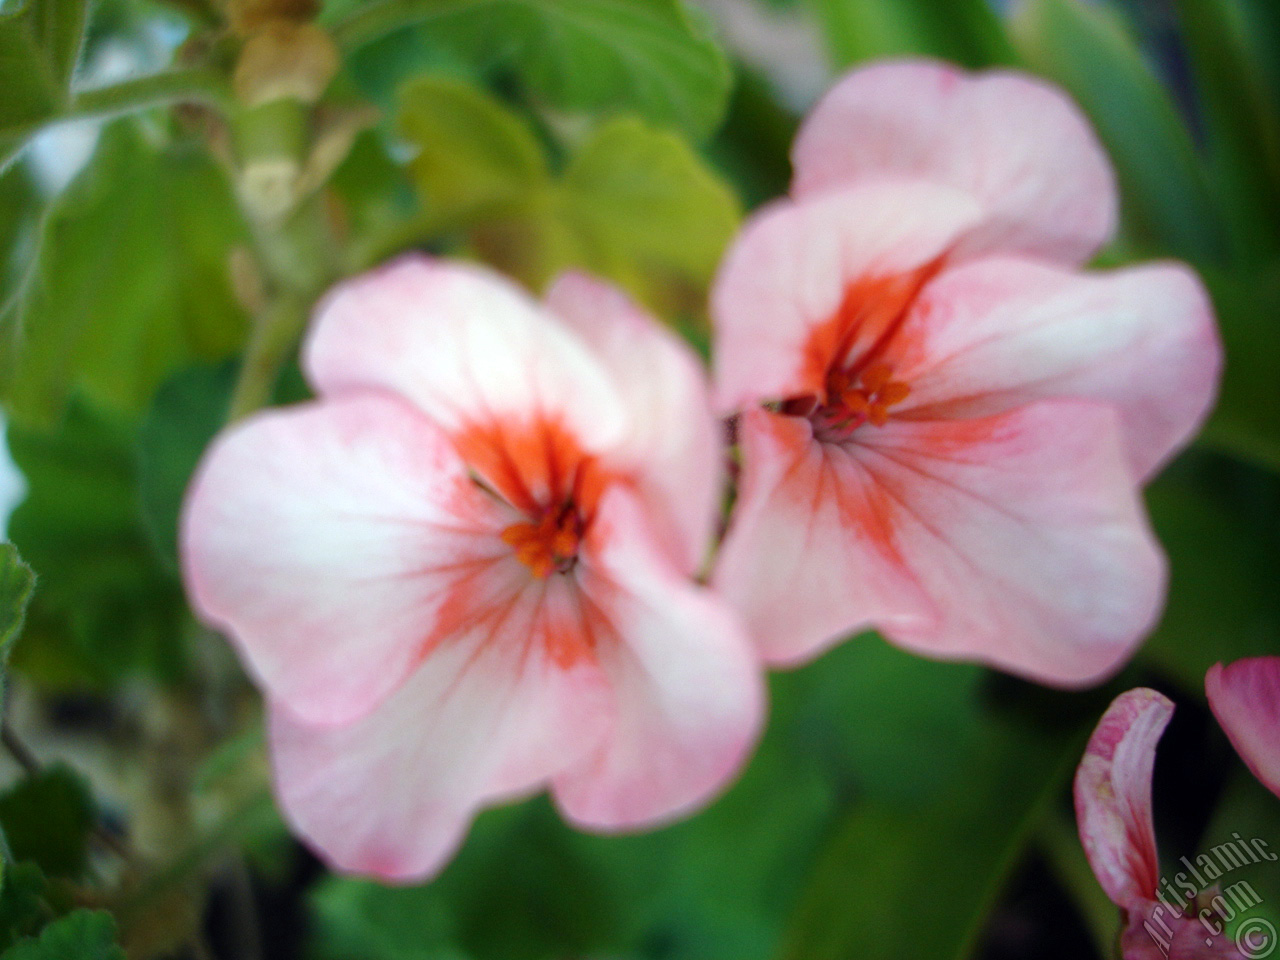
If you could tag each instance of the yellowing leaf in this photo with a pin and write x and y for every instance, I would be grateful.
(634, 204)
(474, 152)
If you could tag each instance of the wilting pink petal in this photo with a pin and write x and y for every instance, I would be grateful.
(462, 574)
(1017, 144)
(1113, 812)
(325, 540)
(658, 373)
(779, 299)
(1015, 540)
(1154, 932)
(1113, 797)
(992, 335)
(1245, 697)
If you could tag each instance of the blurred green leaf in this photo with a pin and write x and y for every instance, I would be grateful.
(633, 204)
(371, 189)
(1248, 810)
(105, 609)
(1242, 115)
(19, 205)
(473, 151)
(649, 209)
(16, 584)
(1167, 203)
(82, 935)
(362, 919)
(188, 410)
(965, 31)
(22, 902)
(753, 147)
(1246, 421)
(903, 881)
(47, 818)
(131, 282)
(1262, 18)
(1224, 566)
(651, 56)
(39, 46)
(474, 910)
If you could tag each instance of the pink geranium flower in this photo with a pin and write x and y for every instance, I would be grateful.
(945, 423)
(1113, 811)
(1245, 697)
(463, 573)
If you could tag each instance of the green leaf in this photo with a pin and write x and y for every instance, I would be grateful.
(474, 152)
(1224, 565)
(649, 212)
(965, 31)
(1166, 199)
(902, 881)
(1247, 810)
(477, 911)
(188, 410)
(634, 204)
(82, 935)
(1246, 421)
(47, 818)
(23, 908)
(649, 56)
(1242, 115)
(16, 585)
(131, 281)
(39, 47)
(19, 206)
(754, 146)
(105, 609)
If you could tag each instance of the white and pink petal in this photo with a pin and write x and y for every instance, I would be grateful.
(1017, 541)
(995, 334)
(778, 296)
(327, 539)
(490, 716)
(687, 695)
(673, 446)
(808, 558)
(1019, 146)
(466, 346)
(1026, 531)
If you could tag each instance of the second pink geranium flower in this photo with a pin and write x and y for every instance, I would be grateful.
(945, 424)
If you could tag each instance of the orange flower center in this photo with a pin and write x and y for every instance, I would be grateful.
(852, 399)
(550, 545)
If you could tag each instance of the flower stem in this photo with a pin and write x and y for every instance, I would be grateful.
(375, 20)
(273, 336)
(299, 259)
(189, 85)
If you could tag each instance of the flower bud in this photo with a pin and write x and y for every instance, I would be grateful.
(284, 60)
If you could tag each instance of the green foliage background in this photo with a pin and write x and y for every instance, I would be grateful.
(896, 806)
